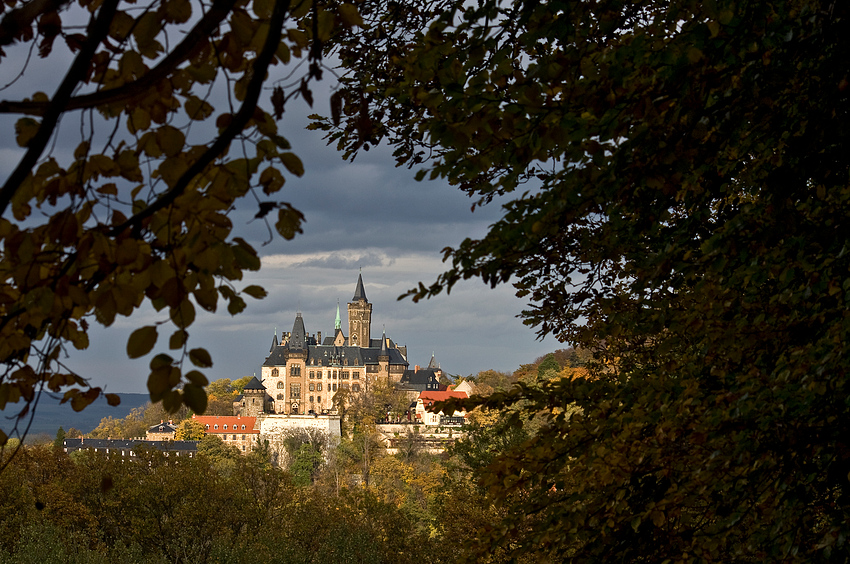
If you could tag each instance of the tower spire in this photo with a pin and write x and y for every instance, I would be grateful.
(338, 321)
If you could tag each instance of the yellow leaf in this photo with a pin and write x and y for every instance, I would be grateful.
(141, 341)
(200, 358)
(170, 140)
(138, 120)
(25, 130)
(183, 315)
(147, 28)
(350, 16)
(121, 25)
(172, 169)
(263, 8)
(195, 397)
(197, 109)
(178, 11)
(292, 163)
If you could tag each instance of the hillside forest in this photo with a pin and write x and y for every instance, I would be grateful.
(348, 503)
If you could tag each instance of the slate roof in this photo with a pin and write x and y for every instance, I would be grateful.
(118, 444)
(421, 380)
(163, 428)
(254, 384)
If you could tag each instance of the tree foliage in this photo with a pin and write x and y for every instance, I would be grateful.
(676, 178)
(173, 130)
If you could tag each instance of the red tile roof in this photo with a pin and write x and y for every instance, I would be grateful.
(216, 424)
(434, 395)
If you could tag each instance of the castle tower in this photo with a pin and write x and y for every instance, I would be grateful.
(359, 317)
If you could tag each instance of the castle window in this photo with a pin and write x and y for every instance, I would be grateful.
(319, 399)
(280, 396)
(334, 387)
(344, 375)
(243, 436)
(312, 386)
(343, 386)
(295, 370)
(312, 374)
(334, 375)
(295, 391)
(319, 387)
(355, 387)
(280, 385)
(311, 399)
(355, 375)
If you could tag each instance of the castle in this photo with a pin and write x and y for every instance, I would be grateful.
(303, 372)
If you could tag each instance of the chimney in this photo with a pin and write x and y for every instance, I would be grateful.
(416, 369)
(319, 341)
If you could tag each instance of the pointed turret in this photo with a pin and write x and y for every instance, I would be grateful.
(433, 364)
(359, 317)
(298, 339)
(359, 291)
(274, 340)
(384, 350)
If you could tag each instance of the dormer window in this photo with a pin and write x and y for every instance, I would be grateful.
(215, 426)
(225, 427)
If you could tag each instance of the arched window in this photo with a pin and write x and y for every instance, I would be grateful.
(275, 372)
(225, 427)
(279, 396)
(355, 387)
(312, 387)
(280, 385)
(319, 387)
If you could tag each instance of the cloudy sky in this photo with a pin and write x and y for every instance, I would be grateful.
(364, 216)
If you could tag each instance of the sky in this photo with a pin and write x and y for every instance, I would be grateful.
(364, 217)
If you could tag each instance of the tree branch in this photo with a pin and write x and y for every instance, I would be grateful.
(97, 30)
(190, 45)
(237, 124)
(22, 17)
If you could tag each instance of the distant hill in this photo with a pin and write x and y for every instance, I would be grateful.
(50, 415)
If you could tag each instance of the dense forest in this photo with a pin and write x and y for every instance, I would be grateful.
(347, 503)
